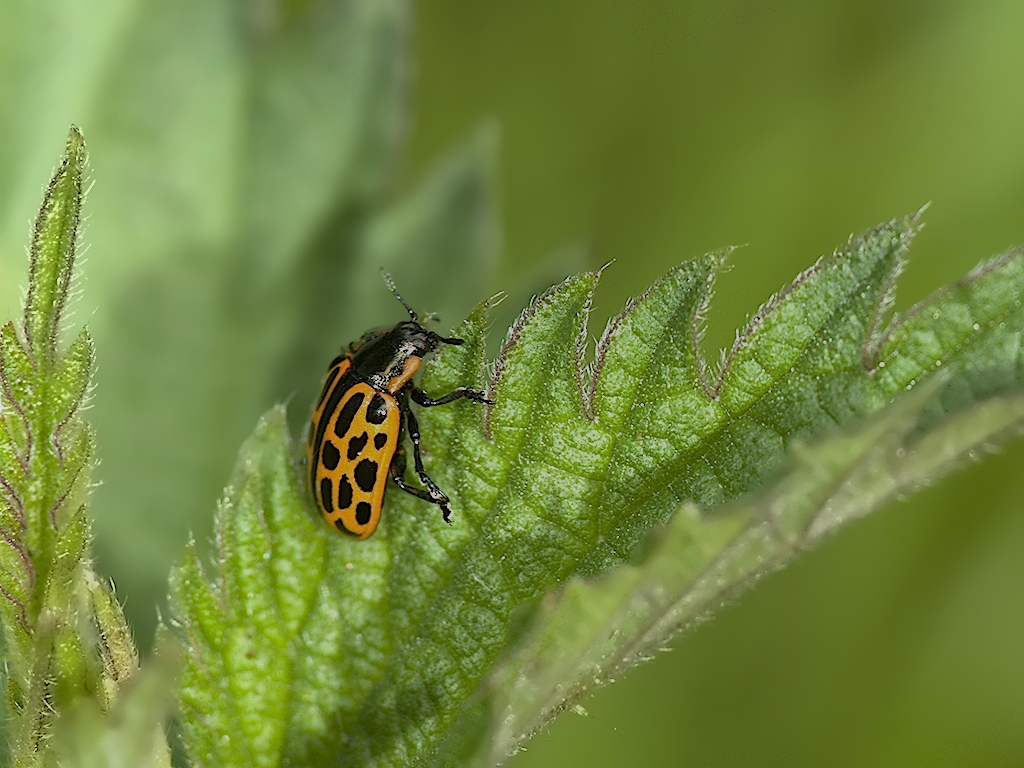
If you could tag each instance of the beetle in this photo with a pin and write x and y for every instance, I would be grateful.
(361, 416)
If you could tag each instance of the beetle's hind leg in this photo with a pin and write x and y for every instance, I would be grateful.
(422, 398)
(434, 494)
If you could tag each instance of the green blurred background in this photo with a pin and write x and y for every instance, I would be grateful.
(639, 132)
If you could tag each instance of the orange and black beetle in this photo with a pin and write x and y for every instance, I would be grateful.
(355, 435)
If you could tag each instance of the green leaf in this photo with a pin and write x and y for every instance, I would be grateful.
(968, 327)
(588, 633)
(562, 477)
(64, 635)
(248, 627)
(273, 119)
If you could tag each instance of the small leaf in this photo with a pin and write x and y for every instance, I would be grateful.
(17, 377)
(52, 255)
(34, 709)
(74, 487)
(16, 577)
(113, 638)
(71, 379)
(69, 548)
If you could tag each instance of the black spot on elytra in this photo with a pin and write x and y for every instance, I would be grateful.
(362, 513)
(326, 494)
(366, 474)
(377, 411)
(348, 412)
(355, 445)
(379, 441)
(330, 455)
(344, 493)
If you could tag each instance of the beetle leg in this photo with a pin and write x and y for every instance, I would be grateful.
(422, 398)
(436, 494)
(398, 475)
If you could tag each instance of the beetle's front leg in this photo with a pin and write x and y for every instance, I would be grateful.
(422, 398)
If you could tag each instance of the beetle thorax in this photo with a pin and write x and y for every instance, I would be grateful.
(389, 359)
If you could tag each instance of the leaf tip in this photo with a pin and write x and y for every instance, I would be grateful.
(75, 154)
(573, 296)
(52, 253)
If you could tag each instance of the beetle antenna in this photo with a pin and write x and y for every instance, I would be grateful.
(391, 285)
(454, 341)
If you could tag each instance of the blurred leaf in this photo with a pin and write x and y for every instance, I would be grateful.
(131, 735)
(322, 650)
(442, 239)
(239, 129)
(239, 143)
(52, 54)
(326, 114)
(439, 242)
